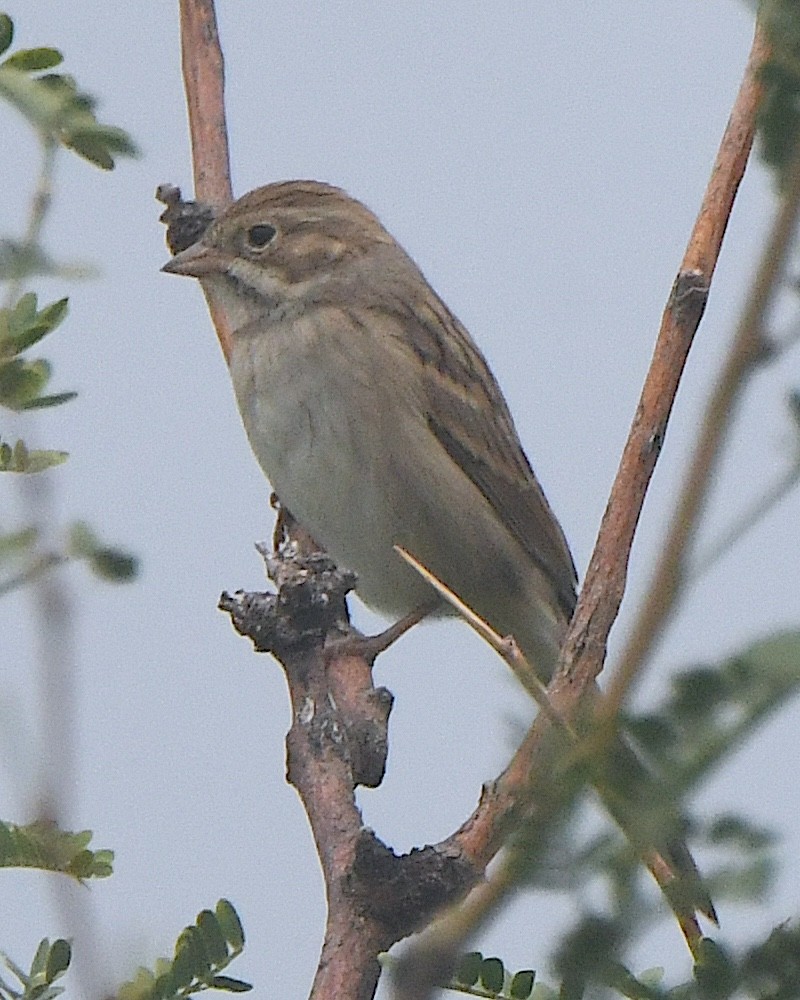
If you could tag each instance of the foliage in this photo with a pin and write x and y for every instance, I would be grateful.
(203, 950)
(60, 112)
(488, 977)
(708, 713)
(49, 963)
(43, 846)
(63, 116)
(769, 970)
(779, 115)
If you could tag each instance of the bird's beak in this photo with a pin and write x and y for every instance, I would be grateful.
(196, 261)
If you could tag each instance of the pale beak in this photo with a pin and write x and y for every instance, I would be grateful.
(197, 261)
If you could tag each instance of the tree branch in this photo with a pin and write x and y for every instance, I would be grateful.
(204, 81)
(336, 741)
(747, 350)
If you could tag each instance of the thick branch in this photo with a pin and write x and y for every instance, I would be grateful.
(337, 740)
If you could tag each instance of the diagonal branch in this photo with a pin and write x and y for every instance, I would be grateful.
(747, 349)
(584, 649)
(604, 586)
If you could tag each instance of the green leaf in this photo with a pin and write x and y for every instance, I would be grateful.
(522, 984)
(96, 143)
(165, 985)
(46, 847)
(54, 399)
(26, 330)
(114, 565)
(40, 460)
(183, 965)
(64, 115)
(469, 968)
(107, 562)
(230, 985)
(213, 938)
(21, 381)
(139, 988)
(82, 540)
(54, 313)
(17, 542)
(18, 261)
(20, 459)
(33, 60)
(714, 971)
(58, 960)
(40, 958)
(230, 924)
(729, 829)
(493, 975)
(25, 310)
(6, 33)
(89, 149)
(191, 940)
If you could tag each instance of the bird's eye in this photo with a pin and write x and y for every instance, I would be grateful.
(260, 236)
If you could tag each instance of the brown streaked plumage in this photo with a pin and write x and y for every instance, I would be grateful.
(332, 290)
(378, 422)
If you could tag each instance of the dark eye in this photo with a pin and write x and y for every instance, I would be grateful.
(260, 236)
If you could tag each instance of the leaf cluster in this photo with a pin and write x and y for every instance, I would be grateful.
(705, 717)
(46, 847)
(769, 970)
(23, 381)
(61, 113)
(203, 950)
(488, 977)
(50, 962)
(779, 114)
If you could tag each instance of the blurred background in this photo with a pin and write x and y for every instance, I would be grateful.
(543, 163)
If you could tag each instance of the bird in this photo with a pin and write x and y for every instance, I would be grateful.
(378, 422)
(376, 418)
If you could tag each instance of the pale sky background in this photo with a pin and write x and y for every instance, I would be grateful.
(543, 162)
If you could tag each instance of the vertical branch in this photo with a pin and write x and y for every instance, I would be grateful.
(204, 80)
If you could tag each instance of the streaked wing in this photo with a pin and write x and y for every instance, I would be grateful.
(468, 415)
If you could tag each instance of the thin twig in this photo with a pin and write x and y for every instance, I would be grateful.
(746, 521)
(743, 357)
(41, 564)
(504, 646)
(40, 203)
(602, 592)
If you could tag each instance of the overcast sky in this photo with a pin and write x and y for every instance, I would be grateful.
(543, 163)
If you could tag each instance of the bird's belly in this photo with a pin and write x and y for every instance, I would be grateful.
(326, 459)
(361, 471)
